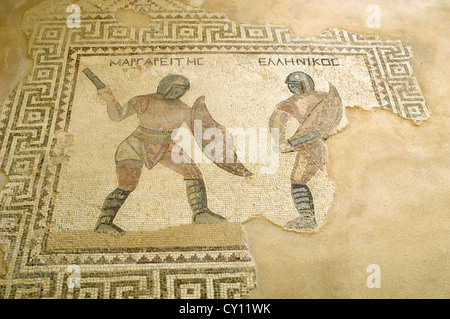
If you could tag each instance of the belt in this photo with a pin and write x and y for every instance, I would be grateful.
(153, 136)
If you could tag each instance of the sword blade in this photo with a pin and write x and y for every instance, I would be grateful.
(304, 138)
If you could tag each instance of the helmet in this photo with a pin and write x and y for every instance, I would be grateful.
(173, 86)
(300, 82)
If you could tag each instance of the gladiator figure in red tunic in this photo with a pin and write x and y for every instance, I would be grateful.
(151, 143)
(318, 114)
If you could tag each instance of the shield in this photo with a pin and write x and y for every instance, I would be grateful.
(200, 112)
(322, 120)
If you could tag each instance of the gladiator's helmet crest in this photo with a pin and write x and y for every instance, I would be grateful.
(173, 86)
(300, 82)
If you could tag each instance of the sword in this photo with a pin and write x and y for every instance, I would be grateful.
(304, 138)
(94, 79)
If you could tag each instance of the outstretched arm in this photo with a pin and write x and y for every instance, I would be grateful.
(116, 111)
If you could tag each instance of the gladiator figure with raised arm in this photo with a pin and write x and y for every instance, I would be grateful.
(318, 115)
(151, 143)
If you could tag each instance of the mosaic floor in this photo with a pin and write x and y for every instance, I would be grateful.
(81, 217)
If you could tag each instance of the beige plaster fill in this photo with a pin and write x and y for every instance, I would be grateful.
(132, 19)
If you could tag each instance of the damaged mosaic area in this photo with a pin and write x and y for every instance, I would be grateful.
(82, 218)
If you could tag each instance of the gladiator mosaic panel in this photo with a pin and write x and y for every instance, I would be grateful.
(58, 145)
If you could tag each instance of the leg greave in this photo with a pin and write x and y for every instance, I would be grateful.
(112, 204)
(196, 194)
(303, 199)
